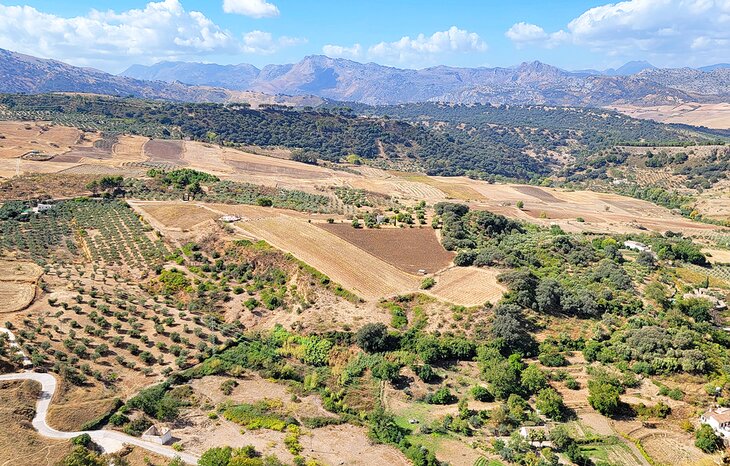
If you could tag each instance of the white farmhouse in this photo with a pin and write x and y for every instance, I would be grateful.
(636, 246)
(719, 420)
(157, 435)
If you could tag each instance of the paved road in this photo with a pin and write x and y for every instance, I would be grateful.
(109, 440)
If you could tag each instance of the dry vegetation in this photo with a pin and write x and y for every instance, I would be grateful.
(689, 113)
(17, 284)
(20, 444)
(468, 286)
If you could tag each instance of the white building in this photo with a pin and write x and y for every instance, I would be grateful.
(229, 218)
(719, 420)
(636, 246)
(155, 435)
(42, 207)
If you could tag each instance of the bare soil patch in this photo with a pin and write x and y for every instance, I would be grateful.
(538, 193)
(409, 249)
(468, 286)
(160, 150)
(180, 215)
(331, 445)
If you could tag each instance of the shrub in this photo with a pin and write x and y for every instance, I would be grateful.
(482, 394)
(428, 283)
(442, 396)
(372, 338)
(603, 397)
(706, 439)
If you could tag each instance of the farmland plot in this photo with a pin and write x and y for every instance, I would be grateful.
(358, 271)
(468, 286)
(160, 150)
(409, 249)
(17, 284)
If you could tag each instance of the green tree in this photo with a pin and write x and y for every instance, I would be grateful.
(603, 397)
(706, 439)
(372, 337)
(550, 403)
(533, 379)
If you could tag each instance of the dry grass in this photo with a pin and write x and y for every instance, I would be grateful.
(356, 270)
(451, 189)
(23, 137)
(332, 445)
(180, 216)
(15, 296)
(20, 444)
(690, 113)
(468, 286)
(17, 284)
(717, 256)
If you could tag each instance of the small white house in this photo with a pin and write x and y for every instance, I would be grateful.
(636, 246)
(42, 207)
(719, 420)
(157, 435)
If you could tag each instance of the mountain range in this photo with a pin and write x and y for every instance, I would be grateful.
(318, 77)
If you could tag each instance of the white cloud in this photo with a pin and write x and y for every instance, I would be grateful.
(664, 29)
(263, 43)
(523, 34)
(423, 49)
(161, 30)
(252, 8)
(340, 51)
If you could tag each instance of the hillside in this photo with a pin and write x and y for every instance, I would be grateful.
(528, 83)
(495, 141)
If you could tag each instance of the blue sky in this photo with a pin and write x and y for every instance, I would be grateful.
(571, 34)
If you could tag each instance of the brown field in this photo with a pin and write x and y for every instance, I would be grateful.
(20, 444)
(129, 148)
(15, 296)
(160, 150)
(690, 113)
(17, 284)
(451, 190)
(180, 216)
(409, 249)
(23, 137)
(468, 286)
(717, 256)
(358, 271)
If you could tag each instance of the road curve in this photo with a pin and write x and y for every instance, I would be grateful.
(109, 440)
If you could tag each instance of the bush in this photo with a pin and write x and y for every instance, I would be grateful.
(83, 440)
(218, 456)
(372, 338)
(482, 394)
(425, 372)
(603, 397)
(428, 283)
(706, 439)
(442, 396)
